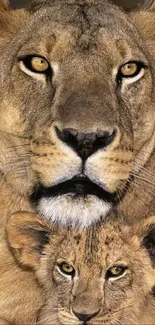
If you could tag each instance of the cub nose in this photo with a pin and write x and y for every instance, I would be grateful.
(84, 317)
(85, 144)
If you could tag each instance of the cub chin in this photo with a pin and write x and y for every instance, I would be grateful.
(101, 275)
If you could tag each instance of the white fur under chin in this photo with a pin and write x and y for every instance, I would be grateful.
(68, 210)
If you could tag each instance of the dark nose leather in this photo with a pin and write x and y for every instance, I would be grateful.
(85, 144)
(84, 317)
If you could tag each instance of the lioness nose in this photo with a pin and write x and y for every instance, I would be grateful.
(85, 144)
(84, 317)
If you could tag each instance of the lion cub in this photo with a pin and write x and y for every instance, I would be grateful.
(101, 275)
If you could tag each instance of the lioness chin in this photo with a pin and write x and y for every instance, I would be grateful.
(101, 275)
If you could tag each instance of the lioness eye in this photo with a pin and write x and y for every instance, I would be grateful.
(66, 269)
(117, 271)
(36, 64)
(130, 69)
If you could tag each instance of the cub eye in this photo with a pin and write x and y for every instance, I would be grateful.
(130, 70)
(116, 272)
(66, 269)
(36, 64)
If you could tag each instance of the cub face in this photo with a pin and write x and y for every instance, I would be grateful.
(77, 104)
(102, 275)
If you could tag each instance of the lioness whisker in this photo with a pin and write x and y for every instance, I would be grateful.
(147, 192)
(138, 187)
(13, 134)
(144, 173)
(142, 179)
(144, 170)
(18, 146)
(123, 308)
(47, 319)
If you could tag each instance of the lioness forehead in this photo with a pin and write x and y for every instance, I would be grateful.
(83, 24)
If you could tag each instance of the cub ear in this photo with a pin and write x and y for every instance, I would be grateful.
(146, 232)
(27, 235)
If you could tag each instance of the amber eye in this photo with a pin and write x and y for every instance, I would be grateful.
(39, 64)
(116, 271)
(36, 64)
(130, 69)
(66, 269)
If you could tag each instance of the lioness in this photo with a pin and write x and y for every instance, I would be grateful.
(77, 110)
(77, 122)
(102, 275)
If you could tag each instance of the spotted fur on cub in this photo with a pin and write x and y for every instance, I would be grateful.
(101, 275)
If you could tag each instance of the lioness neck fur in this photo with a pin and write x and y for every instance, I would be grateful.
(102, 275)
(77, 127)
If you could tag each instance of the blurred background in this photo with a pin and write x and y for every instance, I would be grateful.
(125, 3)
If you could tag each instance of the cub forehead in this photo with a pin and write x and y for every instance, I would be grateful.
(93, 245)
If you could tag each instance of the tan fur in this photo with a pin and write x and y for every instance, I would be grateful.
(83, 79)
(128, 300)
(4, 5)
(84, 44)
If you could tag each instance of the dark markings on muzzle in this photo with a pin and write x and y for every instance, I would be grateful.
(80, 187)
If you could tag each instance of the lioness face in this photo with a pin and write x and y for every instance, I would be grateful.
(100, 275)
(78, 75)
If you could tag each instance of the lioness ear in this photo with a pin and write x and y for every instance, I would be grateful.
(27, 235)
(4, 5)
(11, 21)
(134, 4)
(146, 232)
(144, 21)
(147, 4)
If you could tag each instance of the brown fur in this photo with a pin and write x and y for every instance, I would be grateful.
(128, 300)
(84, 45)
(83, 76)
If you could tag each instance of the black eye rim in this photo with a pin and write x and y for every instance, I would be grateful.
(140, 65)
(109, 275)
(26, 59)
(72, 273)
